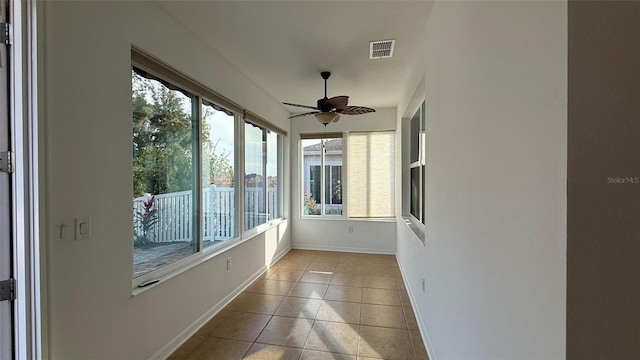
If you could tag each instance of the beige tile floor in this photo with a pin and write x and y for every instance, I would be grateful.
(315, 305)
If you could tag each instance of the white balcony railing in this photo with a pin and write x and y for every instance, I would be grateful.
(174, 214)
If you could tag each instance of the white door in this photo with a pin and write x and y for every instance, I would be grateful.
(6, 251)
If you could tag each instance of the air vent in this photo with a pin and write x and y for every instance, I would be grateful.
(381, 49)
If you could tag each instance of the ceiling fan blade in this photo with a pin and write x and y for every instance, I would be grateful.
(337, 118)
(356, 110)
(301, 115)
(338, 102)
(302, 106)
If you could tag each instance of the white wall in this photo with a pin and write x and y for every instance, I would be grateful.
(494, 260)
(373, 236)
(88, 163)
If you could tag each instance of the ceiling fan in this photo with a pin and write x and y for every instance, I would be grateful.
(329, 110)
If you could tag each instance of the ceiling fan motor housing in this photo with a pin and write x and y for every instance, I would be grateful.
(321, 105)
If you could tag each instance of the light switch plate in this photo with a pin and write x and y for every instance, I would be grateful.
(83, 228)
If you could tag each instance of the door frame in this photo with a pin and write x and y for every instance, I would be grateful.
(30, 341)
(7, 307)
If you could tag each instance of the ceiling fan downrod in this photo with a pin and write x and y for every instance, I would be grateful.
(325, 75)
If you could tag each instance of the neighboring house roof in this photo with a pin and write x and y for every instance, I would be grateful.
(330, 145)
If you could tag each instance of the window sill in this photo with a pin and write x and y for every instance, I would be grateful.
(179, 267)
(248, 234)
(340, 218)
(417, 228)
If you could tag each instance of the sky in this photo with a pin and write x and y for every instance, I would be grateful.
(221, 128)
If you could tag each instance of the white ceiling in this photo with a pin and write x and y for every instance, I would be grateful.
(282, 46)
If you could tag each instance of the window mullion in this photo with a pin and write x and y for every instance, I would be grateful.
(197, 163)
(265, 178)
(240, 178)
(195, 171)
(281, 177)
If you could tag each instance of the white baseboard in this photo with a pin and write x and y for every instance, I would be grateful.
(343, 249)
(419, 318)
(192, 329)
(279, 256)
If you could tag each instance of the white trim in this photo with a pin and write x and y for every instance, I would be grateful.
(344, 249)
(421, 327)
(27, 179)
(37, 39)
(192, 329)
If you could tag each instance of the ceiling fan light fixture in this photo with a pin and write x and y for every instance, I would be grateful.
(326, 117)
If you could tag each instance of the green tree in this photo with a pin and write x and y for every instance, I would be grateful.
(220, 168)
(162, 141)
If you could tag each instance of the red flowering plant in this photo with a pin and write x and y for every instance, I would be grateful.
(146, 220)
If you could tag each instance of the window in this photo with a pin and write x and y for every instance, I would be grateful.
(274, 144)
(186, 198)
(371, 174)
(416, 199)
(322, 175)
(332, 184)
(417, 162)
(165, 200)
(218, 174)
(262, 167)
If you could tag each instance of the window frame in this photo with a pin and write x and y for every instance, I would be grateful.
(196, 217)
(420, 163)
(236, 195)
(331, 166)
(280, 139)
(322, 164)
(159, 69)
(415, 224)
(329, 170)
